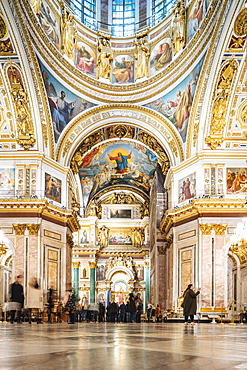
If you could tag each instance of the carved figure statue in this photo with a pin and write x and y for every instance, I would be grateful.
(137, 237)
(23, 119)
(178, 27)
(104, 236)
(69, 33)
(142, 54)
(105, 58)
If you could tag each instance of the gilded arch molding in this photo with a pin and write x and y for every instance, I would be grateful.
(143, 118)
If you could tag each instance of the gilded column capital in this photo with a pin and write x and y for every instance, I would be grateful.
(19, 228)
(146, 264)
(219, 228)
(206, 229)
(33, 229)
(92, 265)
(76, 264)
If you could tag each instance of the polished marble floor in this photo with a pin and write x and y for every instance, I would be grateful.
(123, 346)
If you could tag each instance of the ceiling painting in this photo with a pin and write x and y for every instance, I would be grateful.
(116, 163)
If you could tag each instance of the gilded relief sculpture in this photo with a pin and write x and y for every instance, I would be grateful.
(221, 97)
(103, 236)
(23, 116)
(69, 33)
(142, 55)
(178, 27)
(105, 58)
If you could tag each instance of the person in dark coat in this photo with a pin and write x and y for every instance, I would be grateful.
(17, 296)
(189, 303)
(71, 306)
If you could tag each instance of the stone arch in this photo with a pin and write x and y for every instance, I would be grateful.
(123, 269)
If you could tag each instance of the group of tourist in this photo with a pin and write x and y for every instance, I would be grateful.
(81, 311)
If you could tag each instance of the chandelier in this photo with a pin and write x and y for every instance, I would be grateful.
(3, 242)
(239, 241)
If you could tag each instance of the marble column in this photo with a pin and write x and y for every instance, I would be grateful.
(147, 278)
(92, 266)
(76, 266)
(19, 249)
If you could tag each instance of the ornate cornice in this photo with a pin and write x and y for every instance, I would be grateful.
(215, 208)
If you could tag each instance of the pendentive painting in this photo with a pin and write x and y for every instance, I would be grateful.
(161, 55)
(236, 181)
(187, 188)
(64, 105)
(7, 181)
(49, 22)
(196, 14)
(85, 58)
(176, 105)
(123, 69)
(116, 163)
(53, 187)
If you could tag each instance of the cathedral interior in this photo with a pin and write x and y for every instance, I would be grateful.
(120, 127)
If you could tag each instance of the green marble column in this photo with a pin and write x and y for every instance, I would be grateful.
(76, 266)
(147, 278)
(92, 266)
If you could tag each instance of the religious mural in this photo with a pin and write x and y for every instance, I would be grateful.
(64, 105)
(49, 22)
(120, 237)
(85, 58)
(236, 181)
(84, 273)
(116, 162)
(7, 181)
(187, 188)
(120, 213)
(53, 187)
(100, 272)
(195, 16)
(123, 69)
(176, 105)
(161, 55)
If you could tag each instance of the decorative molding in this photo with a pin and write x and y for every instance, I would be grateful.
(220, 229)
(69, 240)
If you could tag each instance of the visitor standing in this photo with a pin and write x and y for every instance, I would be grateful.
(189, 304)
(17, 299)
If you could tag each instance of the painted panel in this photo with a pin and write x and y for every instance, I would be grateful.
(187, 188)
(120, 237)
(161, 55)
(53, 187)
(236, 181)
(85, 58)
(195, 16)
(123, 69)
(121, 213)
(84, 236)
(49, 22)
(7, 181)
